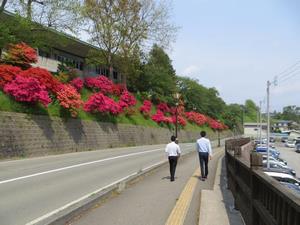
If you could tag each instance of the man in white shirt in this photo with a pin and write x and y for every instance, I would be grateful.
(173, 152)
(203, 147)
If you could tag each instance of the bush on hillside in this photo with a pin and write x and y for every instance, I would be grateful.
(8, 73)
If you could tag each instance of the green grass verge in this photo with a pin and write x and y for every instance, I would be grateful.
(54, 110)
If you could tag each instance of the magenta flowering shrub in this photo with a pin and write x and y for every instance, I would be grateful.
(117, 89)
(77, 83)
(163, 107)
(145, 109)
(69, 98)
(101, 83)
(127, 100)
(27, 90)
(180, 119)
(159, 117)
(8, 73)
(98, 102)
(195, 117)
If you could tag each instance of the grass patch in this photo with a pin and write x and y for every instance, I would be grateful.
(55, 110)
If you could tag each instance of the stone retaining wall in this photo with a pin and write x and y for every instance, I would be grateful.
(36, 135)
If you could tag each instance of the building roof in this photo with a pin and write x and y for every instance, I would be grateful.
(73, 45)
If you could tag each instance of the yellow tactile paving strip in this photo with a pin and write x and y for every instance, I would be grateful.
(180, 210)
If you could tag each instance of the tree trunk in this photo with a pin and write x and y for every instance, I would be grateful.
(29, 10)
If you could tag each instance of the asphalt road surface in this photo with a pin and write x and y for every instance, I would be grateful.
(31, 188)
(289, 154)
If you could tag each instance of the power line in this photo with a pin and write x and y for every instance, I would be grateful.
(287, 70)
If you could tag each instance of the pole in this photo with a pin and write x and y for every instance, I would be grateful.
(268, 123)
(257, 123)
(219, 144)
(260, 122)
(176, 118)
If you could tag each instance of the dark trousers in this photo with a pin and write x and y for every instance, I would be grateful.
(203, 158)
(173, 163)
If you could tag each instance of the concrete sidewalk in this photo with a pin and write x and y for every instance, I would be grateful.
(151, 200)
(217, 205)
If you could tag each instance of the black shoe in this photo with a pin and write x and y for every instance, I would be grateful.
(203, 178)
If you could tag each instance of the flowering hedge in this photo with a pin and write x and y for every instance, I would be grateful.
(163, 107)
(8, 73)
(127, 100)
(69, 98)
(180, 120)
(98, 102)
(118, 89)
(145, 109)
(77, 83)
(195, 117)
(101, 83)
(27, 90)
(44, 77)
(159, 117)
(20, 55)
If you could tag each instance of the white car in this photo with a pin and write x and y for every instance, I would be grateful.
(283, 177)
(290, 144)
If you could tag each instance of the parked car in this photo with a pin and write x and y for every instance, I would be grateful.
(278, 165)
(284, 139)
(298, 148)
(294, 187)
(272, 151)
(290, 144)
(283, 177)
(272, 139)
(278, 170)
(286, 180)
(271, 158)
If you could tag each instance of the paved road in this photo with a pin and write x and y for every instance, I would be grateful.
(292, 157)
(151, 201)
(31, 188)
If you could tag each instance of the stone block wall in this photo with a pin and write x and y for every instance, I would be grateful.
(37, 135)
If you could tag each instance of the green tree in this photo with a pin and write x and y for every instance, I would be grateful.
(158, 75)
(250, 111)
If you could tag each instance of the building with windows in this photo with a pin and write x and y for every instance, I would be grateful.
(70, 51)
(253, 129)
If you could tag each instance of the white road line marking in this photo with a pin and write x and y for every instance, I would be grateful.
(88, 195)
(78, 165)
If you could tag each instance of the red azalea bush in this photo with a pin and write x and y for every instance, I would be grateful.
(101, 83)
(145, 109)
(127, 100)
(159, 117)
(163, 107)
(27, 90)
(180, 120)
(195, 117)
(118, 89)
(44, 77)
(8, 73)
(69, 98)
(20, 55)
(213, 124)
(77, 83)
(100, 103)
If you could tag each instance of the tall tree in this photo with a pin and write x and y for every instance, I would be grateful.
(119, 27)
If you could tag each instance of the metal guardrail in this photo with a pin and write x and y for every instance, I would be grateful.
(261, 199)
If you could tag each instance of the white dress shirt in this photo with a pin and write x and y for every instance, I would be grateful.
(173, 149)
(203, 145)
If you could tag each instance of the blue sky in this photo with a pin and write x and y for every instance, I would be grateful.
(237, 45)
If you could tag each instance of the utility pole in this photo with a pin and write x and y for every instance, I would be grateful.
(257, 122)
(260, 122)
(268, 123)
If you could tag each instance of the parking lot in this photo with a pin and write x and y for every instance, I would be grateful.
(289, 154)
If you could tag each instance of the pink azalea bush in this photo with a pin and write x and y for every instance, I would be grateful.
(27, 90)
(159, 117)
(163, 107)
(118, 89)
(77, 83)
(127, 100)
(8, 73)
(101, 83)
(215, 125)
(44, 77)
(69, 98)
(98, 102)
(180, 120)
(195, 117)
(145, 109)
